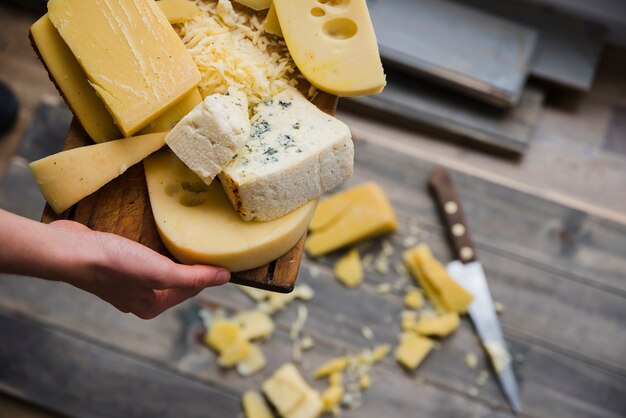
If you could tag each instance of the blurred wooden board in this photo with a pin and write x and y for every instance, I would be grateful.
(568, 49)
(469, 50)
(122, 207)
(558, 271)
(416, 100)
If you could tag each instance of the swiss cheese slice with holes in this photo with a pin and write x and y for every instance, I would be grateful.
(198, 225)
(333, 44)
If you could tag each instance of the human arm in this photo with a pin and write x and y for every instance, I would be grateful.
(126, 274)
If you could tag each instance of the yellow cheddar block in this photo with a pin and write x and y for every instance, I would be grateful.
(221, 334)
(254, 406)
(332, 208)
(412, 350)
(349, 270)
(178, 11)
(333, 44)
(439, 325)
(70, 79)
(445, 293)
(131, 55)
(255, 4)
(331, 366)
(369, 214)
(291, 395)
(271, 24)
(185, 209)
(69, 176)
(254, 324)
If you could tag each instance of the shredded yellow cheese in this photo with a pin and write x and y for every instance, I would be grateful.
(230, 48)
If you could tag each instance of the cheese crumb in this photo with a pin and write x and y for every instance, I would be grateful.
(471, 361)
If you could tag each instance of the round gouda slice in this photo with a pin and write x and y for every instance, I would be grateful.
(198, 224)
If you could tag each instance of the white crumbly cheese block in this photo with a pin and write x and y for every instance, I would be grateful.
(295, 153)
(208, 137)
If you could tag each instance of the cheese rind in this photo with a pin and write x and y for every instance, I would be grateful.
(133, 58)
(333, 44)
(295, 153)
(69, 176)
(208, 137)
(198, 225)
(70, 79)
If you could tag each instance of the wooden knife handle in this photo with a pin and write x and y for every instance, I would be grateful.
(449, 205)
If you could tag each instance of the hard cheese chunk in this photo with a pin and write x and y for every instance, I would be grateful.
(70, 79)
(178, 11)
(412, 350)
(333, 44)
(254, 406)
(198, 225)
(291, 395)
(133, 58)
(208, 137)
(439, 325)
(271, 24)
(67, 177)
(368, 214)
(443, 291)
(349, 270)
(295, 153)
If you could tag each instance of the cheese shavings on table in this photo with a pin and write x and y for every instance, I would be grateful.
(231, 49)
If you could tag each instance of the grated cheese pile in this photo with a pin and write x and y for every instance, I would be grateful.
(231, 49)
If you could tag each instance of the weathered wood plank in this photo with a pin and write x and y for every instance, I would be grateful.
(412, 100)
(483, 55)
(79, 378)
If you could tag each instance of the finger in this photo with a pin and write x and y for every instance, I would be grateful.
(70, 225)
(179, 276)
(165, 299)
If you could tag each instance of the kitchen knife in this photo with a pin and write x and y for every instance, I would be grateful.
(468, 271)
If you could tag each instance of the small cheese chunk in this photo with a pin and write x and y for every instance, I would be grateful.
(132, 56)
(254, 406)
(221, 334)
(349, 270)
(443, 291)
(291, 395)
(333, 44)
(331, 398)
(412, 350)
(295, 153)
(178, 11)
(185, 208)
(413, 299)
(69, 176)
(252, 363)
(208, 137)
(439, 325)
(254, 324)
(235, 352)
(331, 366)
(369, 214)
(271, 24)
(255, 4)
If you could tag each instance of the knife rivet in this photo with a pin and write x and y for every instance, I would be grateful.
(458, 230)
(451, 207)
(466, 253)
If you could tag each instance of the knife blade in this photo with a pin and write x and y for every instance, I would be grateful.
(468, 271)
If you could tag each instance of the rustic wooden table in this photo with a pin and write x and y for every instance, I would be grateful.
(550, 230)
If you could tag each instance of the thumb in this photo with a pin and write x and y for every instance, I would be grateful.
(196, 277)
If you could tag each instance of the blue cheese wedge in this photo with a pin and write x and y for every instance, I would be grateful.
(208, 137)
(295, 153)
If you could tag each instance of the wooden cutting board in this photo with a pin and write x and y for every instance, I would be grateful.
(122, 207)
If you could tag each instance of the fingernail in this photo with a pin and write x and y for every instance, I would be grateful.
(223, 276)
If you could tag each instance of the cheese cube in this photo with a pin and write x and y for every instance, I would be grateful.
(69, 176)
(254, 406)
(132, 56)
(221, 334)
(412, 350)
(333, 44)
(368, 215)
(291, 395)
(295, 153)
(349, 270)
(208, 137)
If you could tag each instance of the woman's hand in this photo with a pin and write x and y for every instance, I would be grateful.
(126, 274)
